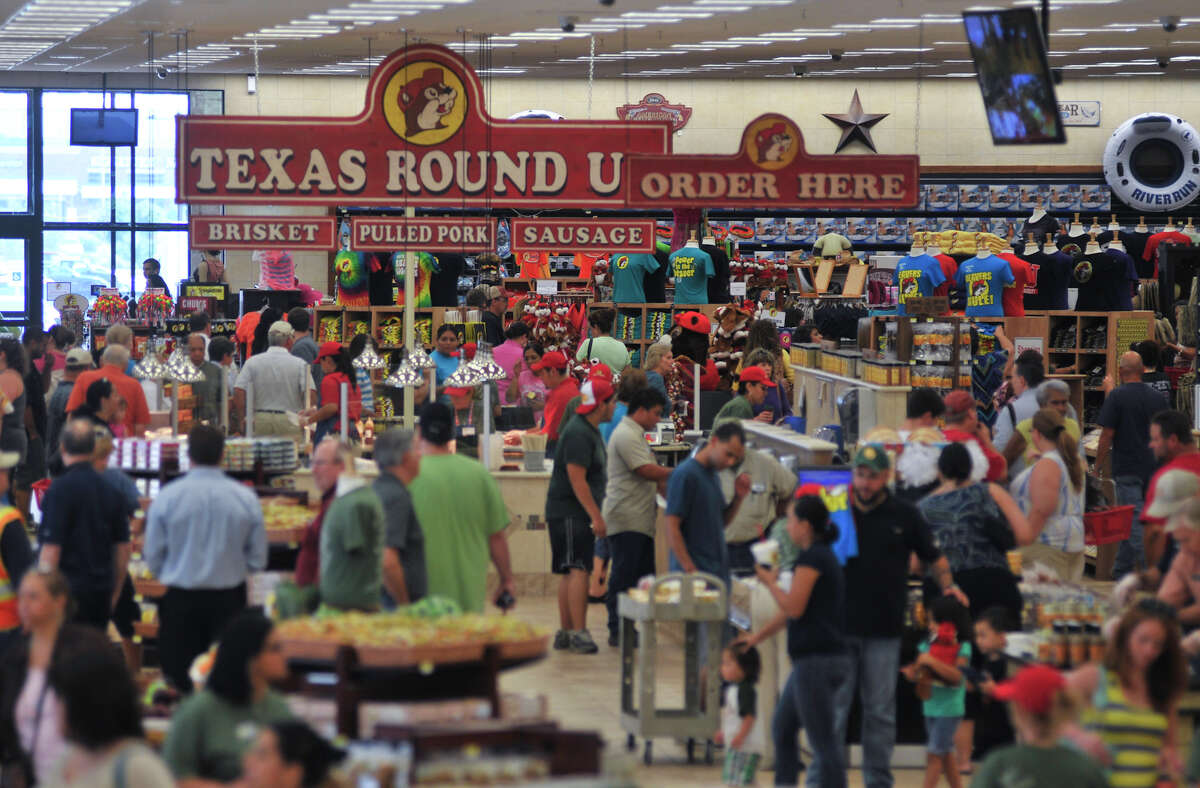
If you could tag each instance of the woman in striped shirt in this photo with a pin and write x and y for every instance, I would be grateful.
(1134, 696)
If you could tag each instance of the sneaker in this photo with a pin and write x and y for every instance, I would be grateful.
(562, 640)
(582, 643)
(614, 640)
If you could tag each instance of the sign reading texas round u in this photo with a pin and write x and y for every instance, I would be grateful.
(583, 235)
(772, 170)
(429, 235)
(258, 232)
(424, 136)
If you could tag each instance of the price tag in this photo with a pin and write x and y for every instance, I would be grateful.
(547, 287)
(737, 289)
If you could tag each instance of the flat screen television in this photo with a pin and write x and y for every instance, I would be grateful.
(832, 485)
(1014, 77)
(104, 127)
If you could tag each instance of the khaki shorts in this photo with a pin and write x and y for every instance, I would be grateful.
(1068, 566)
(276, 424)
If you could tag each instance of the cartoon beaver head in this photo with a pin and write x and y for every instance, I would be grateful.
(425, 101)
(979, 289)
(773, 142)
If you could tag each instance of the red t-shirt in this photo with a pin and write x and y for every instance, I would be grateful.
(1013, 297)
(1184, 462)
(308, 560)
(997, 467)
(585, 260)
(556, 405)
(949, 270)
(534, 265)
(331, 386)
(136, 409)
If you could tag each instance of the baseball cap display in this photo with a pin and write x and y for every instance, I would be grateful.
(552, 360)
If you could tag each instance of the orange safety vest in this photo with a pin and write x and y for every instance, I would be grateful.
(8, 595)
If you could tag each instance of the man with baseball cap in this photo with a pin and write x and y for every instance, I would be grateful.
(78, 360)
(963, 426)
(1173, 489)
(1181, 584)
(753, 383)
(16, 555)
(1173, 445)
(494, 307)
(462, 514)
(573, 515)
(553, 371)
(888, 530)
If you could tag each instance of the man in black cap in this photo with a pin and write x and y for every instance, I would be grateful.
(462, 515)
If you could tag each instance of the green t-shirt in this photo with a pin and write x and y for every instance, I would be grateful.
(579, 443)
(692, 267)
(737, 408)
(352, 536)
(459, 507)
(208, 735)
(628, 272)
(947, 701)
(1023, 765)
(610, 351)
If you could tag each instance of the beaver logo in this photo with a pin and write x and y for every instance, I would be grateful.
(773, 143)
(623, 262)
(424, 103)
(979, 289)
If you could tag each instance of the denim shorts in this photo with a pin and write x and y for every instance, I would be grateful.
(940, 731)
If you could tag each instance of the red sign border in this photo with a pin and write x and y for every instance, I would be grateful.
(329, 221)
(372, 100)
(742, 162)
(648, 234)
(488, 225)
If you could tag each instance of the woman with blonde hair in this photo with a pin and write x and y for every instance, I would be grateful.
(1051, 494)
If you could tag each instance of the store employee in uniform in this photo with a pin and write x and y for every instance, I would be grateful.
(771, 488)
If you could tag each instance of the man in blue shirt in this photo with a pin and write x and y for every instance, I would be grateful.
(85, 533)
(204, 536)
(697, 514)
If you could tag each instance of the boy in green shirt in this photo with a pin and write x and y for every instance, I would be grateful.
(753, 383)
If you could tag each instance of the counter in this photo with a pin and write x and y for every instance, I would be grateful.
(817, 392)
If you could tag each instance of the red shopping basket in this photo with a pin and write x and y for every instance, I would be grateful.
(1108, 525)
(39, 490)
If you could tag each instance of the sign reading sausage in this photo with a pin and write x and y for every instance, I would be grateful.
(259, 232)
(583, 235)
(369, 234)
(772, 170)
(424, 136)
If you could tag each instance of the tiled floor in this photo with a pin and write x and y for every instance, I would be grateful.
(583, 694)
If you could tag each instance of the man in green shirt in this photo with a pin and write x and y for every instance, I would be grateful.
(753, 383)
(462, 516)
(351, 538)
(573, 516)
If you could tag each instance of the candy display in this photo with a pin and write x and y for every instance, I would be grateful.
(109, 309)
(154, 307)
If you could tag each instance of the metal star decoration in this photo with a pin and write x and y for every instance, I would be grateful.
(855, 124)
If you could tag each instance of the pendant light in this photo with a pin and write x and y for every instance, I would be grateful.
(420, 359)
(369, 359)
(466, 376)
(486, 365)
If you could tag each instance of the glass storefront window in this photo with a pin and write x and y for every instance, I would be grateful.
(76, 180)
(154, 155)
(12, 276)
(81, 257)
(168, 247)
(14, 153)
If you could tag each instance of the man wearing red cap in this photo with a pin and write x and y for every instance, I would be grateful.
(562, 387)
(573, 515)
(753, 383)
(1039, 711)
(963, 426)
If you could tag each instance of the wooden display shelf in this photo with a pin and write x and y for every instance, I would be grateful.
(644, 309)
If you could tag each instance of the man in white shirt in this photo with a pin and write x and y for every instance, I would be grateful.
(276, 384)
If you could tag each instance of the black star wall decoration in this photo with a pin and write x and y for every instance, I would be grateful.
(855, 124)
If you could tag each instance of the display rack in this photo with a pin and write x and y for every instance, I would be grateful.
(642, 311)
(1075, 354)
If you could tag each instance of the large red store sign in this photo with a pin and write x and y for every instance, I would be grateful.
(583, 235)
(772, 170)
(423, 137)
(253, 232)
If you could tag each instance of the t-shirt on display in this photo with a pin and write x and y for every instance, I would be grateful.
(917, 276)
(691, 266)
(628, 272)
(984, 279)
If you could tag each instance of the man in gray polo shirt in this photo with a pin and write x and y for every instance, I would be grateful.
(633, 478)
(771, 488)
(280, 385)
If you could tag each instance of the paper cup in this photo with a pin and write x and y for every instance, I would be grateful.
(765, 552)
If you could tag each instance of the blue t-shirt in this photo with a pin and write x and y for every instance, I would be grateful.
(984, 279)
(917, 276)
(445, 365)
(691, 266)
(694, 495)
(947, 701)
(628, 271)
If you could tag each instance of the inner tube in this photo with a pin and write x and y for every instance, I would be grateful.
(1152, 162)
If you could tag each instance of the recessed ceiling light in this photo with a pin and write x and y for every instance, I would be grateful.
(897, 49)
(1084, 30)
(1112, 49)
(916, 21)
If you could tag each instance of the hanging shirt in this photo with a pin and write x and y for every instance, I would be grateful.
(830, 244)
(534, 265)
(1052, 274)
(691, 266)
(1135, 244)
(1046, 224)
(628, 271)
(1150, 254)
(655, 282)
(984, 279)
(949, 270)
(1013, 298)
(1098, 277)
(443, 283)
(1122, 287)
(917, 276)
(718, 285)
(584, 262)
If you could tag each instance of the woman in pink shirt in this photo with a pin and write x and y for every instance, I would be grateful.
(509, 353)
(529, 389)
